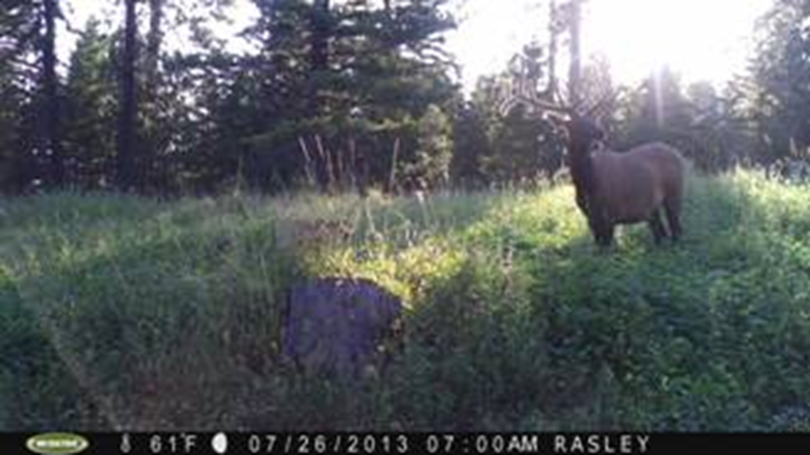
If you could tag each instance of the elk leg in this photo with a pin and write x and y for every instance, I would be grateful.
(597, 229)
(582, 202)
(605, 238)
(610, 233)
(600, 238)
(657, 227)
(672, 207)
(602, 232)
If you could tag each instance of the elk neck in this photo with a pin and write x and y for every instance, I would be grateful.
(582, 171)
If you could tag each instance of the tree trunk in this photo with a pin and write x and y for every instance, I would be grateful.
(554, 31)
(129, 105)
(52, 146)
(574, 72)
(319, 50)
(154, 39)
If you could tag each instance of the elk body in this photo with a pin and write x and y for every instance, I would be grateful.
(639, 185)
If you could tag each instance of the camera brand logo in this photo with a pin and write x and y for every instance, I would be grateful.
(57, 443)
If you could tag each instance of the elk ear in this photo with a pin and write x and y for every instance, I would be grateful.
(593, 129)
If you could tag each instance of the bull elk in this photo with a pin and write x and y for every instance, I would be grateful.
(638, 185)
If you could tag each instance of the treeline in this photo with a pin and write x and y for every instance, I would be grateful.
(341, 95)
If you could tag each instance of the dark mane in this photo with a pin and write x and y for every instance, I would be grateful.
(582, 172)
(581, 134)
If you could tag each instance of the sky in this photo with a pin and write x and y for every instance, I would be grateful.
(699, 39)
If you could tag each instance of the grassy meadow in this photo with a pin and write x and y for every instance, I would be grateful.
(128, 313)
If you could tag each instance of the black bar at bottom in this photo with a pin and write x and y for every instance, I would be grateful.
(254, 443)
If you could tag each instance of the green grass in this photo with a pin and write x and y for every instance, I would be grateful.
(127, 313)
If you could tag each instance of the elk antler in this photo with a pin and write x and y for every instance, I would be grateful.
(530, 100)
(519, 93)
(609, 96)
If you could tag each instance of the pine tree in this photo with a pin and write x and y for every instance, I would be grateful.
(29, 79)
(51, 104)
(353, 80)
(128, 177)
(776, 94)
(91, 107)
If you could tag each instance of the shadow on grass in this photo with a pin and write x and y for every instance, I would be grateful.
(36, 388)
(534, 330)
(161, 331)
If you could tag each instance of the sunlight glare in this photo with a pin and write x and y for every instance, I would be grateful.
(700, 39)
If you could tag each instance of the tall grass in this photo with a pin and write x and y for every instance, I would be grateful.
(126, 313)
